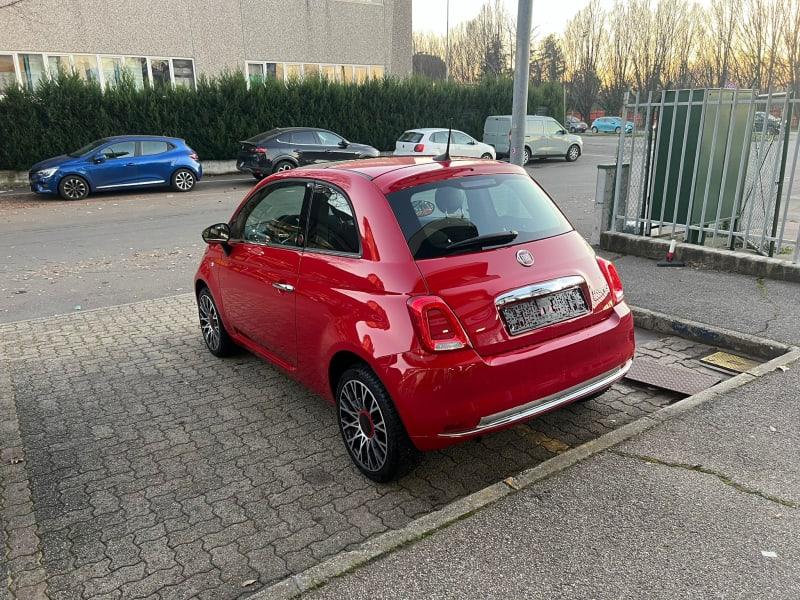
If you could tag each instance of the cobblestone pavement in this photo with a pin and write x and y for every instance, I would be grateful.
(135, 464)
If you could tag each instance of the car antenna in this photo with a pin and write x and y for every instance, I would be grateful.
(446, 156)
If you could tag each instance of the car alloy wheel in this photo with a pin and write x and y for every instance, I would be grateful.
(573, 153)
(594, 129)
(209, 322)
(486, 155)
(184, 180)
(617, 130)
(284, 166)
(526, 157)
(363, 426)
(74, 188)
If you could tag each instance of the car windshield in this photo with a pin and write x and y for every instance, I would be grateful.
(410, 136)
(87, 148)
(447, 217)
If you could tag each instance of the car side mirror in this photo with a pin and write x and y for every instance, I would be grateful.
(561, 132)
(471, 142)
(343, 144)
(217, 234)
(100, 158)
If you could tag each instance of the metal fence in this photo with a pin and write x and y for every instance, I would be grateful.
(711, 167)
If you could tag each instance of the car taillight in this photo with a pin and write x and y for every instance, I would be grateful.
(419, 148)
(193, 155)
(613, 279)
(436, 324)
(260, 150)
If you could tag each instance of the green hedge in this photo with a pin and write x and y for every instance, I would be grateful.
(64, 114)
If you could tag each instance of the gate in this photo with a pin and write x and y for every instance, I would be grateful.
(711, 166)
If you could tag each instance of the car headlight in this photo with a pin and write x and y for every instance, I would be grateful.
(45, 173)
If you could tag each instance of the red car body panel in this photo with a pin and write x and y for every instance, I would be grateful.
(359, 305)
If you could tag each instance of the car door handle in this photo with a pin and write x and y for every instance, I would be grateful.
(283, 287)
(129, 164)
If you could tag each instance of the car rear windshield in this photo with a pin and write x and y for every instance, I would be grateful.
(437, 216)
(410, 136)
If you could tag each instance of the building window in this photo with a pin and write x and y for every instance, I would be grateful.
(329, 72)
(255, 72)
(310, 70)
(345, 73)
(57, 64)
(159, 68)
(31, 67)
(136, 68)
(111, 68)
(183, 70)
(293, 71)
(8, 75)
(86, 66)
(360, 74)
(378, 72)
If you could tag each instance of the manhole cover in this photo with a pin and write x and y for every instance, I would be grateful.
(657, 374)
(730, 362)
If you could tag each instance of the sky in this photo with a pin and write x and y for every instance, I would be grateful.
(549, 16)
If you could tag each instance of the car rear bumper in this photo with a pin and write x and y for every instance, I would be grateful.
(448, 397)
(246, 165)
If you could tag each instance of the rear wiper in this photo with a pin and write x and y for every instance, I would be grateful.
(490, 239)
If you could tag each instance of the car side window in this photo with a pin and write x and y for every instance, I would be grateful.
(551, 127)
(440, 137)
(331, 223)
(327, 138)
(150, 147)
(120, 150)
(276, 218)
(461, 138)
(306, 138)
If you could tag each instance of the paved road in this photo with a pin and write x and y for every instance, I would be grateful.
(117, 248)
(148, 466)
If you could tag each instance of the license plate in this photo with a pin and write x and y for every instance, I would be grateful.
(544, 310)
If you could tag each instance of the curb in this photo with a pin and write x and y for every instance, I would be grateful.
(710, 335)
(701, 256)
(342, 563)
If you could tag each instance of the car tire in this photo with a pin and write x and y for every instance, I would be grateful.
(368, 419)
(183, 180)
(213, 330)
(617, 130)
(73, 187)
(572, 130)
(486, 156)
(573, 152)
(284, 165)
(526, 156)
(594, 129)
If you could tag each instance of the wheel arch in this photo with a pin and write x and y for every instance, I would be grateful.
(342, 360)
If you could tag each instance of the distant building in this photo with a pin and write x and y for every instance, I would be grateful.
(175, 42)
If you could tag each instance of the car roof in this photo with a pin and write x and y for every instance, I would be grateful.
(393, 173)
(429, 129)
(277, 130)
(113, 138)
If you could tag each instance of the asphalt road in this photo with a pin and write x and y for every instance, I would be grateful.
(60, 257)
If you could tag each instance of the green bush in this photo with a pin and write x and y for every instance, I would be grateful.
(66, 113)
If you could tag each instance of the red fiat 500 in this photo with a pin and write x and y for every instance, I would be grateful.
(430, 301)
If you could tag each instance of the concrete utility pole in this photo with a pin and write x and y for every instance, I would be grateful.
(521, 73)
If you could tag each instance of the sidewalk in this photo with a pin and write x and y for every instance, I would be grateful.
(706, 505)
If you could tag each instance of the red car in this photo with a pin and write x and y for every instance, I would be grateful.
(431, 301)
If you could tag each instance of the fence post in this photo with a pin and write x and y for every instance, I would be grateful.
(620, 158)
(791, 175)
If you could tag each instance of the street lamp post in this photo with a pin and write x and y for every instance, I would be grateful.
(521, 74)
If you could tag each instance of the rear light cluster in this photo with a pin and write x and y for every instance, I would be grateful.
(193, 155)
(613, 279)
(260, 150)
(437, 326)
(419, 148)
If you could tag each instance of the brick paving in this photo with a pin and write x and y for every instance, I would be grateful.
(137, 465)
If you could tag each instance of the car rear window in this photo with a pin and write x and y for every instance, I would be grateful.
(410, 136)
(435, 216)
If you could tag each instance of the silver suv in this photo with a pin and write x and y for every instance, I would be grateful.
(544, 136)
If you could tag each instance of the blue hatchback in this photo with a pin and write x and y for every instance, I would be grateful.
(610, 125)
(118, 162)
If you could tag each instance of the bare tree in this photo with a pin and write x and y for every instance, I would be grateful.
(583, 46)
(617, 57)
(790, 44)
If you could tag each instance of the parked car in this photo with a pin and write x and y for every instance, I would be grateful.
(610, 125)
(575, 125)
(433, 141)
(544, 137)
(431, 302)
(118, 162)
(282, 149)
(773, 124)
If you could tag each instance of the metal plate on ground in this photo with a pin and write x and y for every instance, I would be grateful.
(676, 379)
(730, 362)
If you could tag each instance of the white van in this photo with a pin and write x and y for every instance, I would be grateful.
(544, 136)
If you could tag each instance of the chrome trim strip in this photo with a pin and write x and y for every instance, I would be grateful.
(531, 409)
(539, 289)
(116, 185)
